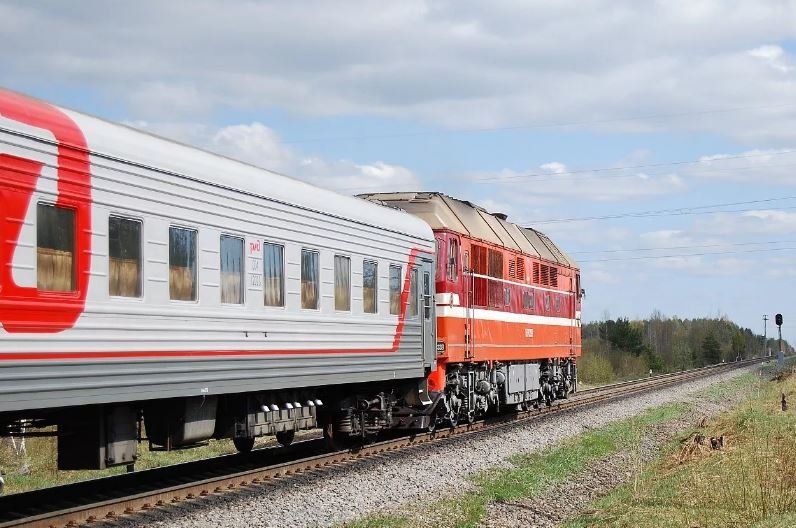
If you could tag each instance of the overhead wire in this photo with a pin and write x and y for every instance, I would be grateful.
(654, 257)
(530, 126)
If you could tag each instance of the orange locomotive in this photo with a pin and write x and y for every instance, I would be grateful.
(508, 304)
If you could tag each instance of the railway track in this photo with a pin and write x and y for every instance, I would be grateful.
(113, 497)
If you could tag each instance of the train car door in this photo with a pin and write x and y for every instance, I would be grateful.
(469, 294)
(427, 310)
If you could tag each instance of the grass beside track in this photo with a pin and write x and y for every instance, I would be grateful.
(528, 475)
(36, 468)
(749, 483)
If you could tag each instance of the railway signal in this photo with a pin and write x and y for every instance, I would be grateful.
(781, 353)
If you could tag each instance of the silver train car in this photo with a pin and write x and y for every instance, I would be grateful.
(144, 280)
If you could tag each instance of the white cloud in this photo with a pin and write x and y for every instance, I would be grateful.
(260, 145)
(447, 62)
(555, 180)
(757, 165)
(764, 221)
(773, 56)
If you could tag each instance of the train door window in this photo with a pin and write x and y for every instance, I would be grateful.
(231, 270)
(342, 283)
(411, 309)
(124, 251)
(273, 275)
(309, 279)
(182, 264)
(370, 272)
(577, 286)
(480, 269)
(453, 260)
(427, 295)
(395, 289)
(496, 271)
(55, 248)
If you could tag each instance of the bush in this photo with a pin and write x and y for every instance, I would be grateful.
(595, 369)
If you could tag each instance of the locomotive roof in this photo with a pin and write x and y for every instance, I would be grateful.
(445, 212)
(131, 145)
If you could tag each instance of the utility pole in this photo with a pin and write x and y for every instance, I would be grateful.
(765, 338)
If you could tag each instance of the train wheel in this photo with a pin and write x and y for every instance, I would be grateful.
(243, 444)
(285, 438)
(335, 440)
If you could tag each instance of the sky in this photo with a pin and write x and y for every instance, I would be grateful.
(655, 142)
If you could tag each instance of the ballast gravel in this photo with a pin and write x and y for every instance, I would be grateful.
(400, 479)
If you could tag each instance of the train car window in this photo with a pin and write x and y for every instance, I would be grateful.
(558, 303)
(55, 248)
(453, 260)
(427, 296)
(546, 302)
(342, 283)
(395, 289)
(369, 286)
(231, 270)
(273, 275)
(506, 296)
(182, 264)
(124, 251)
(309, 279)
(411, 309)
(527, 300)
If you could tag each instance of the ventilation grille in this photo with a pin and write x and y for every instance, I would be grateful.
(512, 268)
(521, 269)
(536, 276)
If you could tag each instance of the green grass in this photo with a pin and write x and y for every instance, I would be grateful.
(752, 482)
(529, 474)
(38, 468)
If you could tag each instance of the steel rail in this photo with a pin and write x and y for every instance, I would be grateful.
(53, 508)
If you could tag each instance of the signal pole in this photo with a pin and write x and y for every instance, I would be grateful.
(765, 337)
(781, 353)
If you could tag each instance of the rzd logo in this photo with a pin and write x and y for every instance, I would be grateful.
(25, 308)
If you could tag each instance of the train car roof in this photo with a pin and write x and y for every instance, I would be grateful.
(127, 144)
(445, 212)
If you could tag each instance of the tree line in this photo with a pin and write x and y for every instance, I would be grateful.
(623, 348)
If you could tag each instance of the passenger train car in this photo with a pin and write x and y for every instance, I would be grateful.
(144, 282)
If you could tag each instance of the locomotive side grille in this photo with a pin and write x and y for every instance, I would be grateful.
(521, 269)
(545, 275)
(553, 277)
(536, 276)
(513, 268)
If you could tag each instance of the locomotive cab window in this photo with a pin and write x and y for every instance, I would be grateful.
(395, 289)
(369, 286)
(182, 264)
(231, 270)
(273, 275)
(342, 283)
(55, 248)
(309, 279)
(124, 251)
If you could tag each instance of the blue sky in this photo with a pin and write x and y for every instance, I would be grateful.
(543, 111)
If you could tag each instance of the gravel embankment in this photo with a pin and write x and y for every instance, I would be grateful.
(390, 482)
(548, 510)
